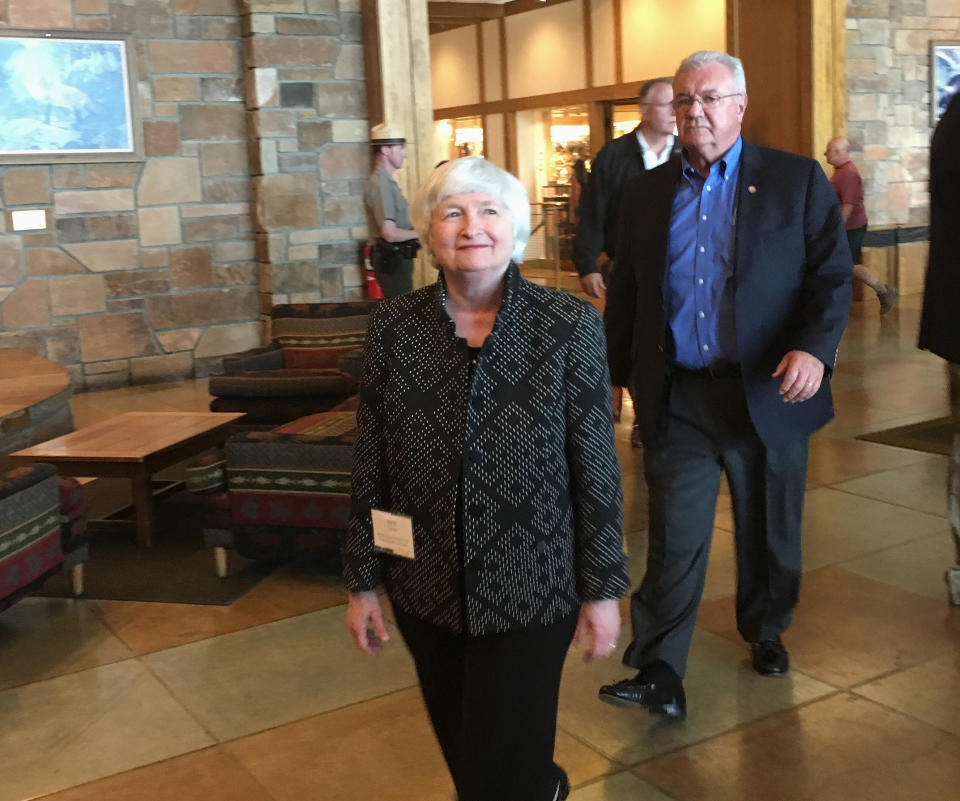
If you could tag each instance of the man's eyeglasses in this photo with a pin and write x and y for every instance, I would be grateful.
(707, 101)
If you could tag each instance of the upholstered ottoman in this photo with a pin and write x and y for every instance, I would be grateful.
(287, 490)
(41, 530)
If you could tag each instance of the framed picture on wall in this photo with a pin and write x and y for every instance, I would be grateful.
(944, 76)
(67, 97)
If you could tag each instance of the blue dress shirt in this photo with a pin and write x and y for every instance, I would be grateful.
(700, 285)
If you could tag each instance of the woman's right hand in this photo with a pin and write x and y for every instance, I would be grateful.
(365, 621)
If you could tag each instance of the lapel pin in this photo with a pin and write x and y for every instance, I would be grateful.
(752, 189)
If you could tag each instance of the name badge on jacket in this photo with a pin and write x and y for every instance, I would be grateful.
(392, 534)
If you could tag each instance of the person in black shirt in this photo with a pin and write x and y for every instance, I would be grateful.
(647, 146)
(484, 423)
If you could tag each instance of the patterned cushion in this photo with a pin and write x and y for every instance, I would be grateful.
(338, 425)
(284, 383)
(207, 473)
(30, 545)
(269, 412)
(315, 358)
(296, 475)
(316, 335)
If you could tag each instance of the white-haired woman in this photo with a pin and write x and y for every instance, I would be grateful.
(486, 490)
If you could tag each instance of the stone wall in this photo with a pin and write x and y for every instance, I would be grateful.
(888, 112)
(250, 192)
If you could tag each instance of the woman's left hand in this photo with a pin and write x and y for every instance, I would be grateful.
(599, 627)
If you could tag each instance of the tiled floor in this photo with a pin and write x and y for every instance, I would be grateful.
(267, 700)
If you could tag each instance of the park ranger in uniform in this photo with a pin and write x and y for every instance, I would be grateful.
(393, 242)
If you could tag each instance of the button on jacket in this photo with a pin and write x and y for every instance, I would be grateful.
(527, 448)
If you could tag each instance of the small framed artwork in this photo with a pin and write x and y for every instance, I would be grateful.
(67, 97)
(944, 76)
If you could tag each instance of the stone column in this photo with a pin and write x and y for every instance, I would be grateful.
(307, 119)
(396, 41)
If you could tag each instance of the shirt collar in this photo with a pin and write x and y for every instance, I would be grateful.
(723, 167)
(644, 147)
(511, 285)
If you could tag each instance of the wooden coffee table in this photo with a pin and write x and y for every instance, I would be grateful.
(134, 445)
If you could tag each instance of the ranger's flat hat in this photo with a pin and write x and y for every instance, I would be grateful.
(386, 134)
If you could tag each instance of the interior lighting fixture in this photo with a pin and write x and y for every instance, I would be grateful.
(469, 136)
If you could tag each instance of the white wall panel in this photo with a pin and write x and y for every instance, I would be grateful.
(492, 82)
(454, 67)
(601, 28)
(493, 147)
(657, 36)
(545, 50)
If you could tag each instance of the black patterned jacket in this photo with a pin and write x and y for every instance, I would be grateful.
(532, 441)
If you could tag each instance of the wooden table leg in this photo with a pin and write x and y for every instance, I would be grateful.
(143, 509)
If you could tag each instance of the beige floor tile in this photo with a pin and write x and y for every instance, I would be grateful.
(382, 748)
(835, 459)
(45, 637)
(922, 486)
(838, 526)
(280, 672)
(84, 726)
(918, 566)
(849, 629)
(838, 749)
(619, 787)
(899, 398)
(288, 592)
(722, 693)
(212, 774)
(581, 762)
(928, 692)
(852, 420)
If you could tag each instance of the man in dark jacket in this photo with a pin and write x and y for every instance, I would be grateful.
(940, 324)
(648, 145)
(727, 304)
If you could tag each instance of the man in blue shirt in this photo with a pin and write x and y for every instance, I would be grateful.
(726, 307)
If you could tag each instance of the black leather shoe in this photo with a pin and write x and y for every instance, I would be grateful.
(563, 788)
(770, 658)
(661, 696)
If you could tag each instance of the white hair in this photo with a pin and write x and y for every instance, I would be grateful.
(703, 57)
(464, 176)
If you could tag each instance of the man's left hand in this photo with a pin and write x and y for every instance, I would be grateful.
(802, 374)
(598, 628)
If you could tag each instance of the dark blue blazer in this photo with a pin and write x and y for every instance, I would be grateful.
(793, 274)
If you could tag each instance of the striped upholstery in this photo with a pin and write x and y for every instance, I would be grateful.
(296, 475)
(281, 493)
(207, 473)
(317, 335)
(310, 365)
(30, 542)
